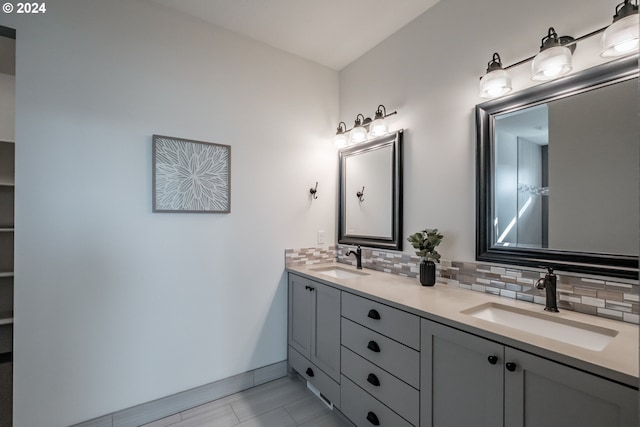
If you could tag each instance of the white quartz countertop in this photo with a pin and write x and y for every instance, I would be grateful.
(618, 361)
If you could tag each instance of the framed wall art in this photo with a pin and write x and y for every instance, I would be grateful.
(191, 176)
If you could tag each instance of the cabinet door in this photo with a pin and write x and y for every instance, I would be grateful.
(539, 392)
(460, 386)
(325, 345)
(300, 315)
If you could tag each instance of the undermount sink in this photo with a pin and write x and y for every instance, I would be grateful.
(339, 272)
(583, 335)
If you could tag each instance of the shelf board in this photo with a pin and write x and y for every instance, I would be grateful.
(6, 321)
(6, 274)
(6, 229)
(7, 141)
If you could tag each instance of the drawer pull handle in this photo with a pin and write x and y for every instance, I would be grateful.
(373, 314)
(309, 372)
(493, 359)
(373, 346)
(373, 419)
(373, 380)
(511, 367)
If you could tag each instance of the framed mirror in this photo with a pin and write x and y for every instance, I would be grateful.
(370, 195)
(558, 174)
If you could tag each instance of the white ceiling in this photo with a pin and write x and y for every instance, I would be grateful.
(330, 32)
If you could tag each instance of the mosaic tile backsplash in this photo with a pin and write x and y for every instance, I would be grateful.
(309, 256)
(599, 296)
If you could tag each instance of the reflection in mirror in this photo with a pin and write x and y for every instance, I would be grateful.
(566, 182)
(370, 216)
(558, 178)
(370, 193)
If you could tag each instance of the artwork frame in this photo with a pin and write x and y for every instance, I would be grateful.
(190, 176)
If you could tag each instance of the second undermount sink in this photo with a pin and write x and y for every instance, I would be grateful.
(580, 334)
(339, 272)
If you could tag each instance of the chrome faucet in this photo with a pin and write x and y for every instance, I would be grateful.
(548, 282)
(358, 254)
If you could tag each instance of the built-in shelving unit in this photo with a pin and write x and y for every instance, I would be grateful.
(7, 219)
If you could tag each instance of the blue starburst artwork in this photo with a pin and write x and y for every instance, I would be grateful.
(191, 176)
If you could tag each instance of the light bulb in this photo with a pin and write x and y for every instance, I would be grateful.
(495, 83)
(378, 127)
(621, 37)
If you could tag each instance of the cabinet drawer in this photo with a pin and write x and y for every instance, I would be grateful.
(329, 388)
(394, 323)
(393, 357)
(397, 395)
(357, 405)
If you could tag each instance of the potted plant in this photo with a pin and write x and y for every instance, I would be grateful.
(425, 243)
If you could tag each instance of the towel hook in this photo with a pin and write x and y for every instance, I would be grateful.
(360, 194)
(313, 191)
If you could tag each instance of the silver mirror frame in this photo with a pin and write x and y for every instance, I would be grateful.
(395, 241)
(623, 266)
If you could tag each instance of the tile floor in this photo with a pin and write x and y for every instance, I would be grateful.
(281, 403)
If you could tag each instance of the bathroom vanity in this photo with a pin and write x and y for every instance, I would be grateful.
(387, 351)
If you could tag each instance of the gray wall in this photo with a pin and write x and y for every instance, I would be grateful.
(115, 305)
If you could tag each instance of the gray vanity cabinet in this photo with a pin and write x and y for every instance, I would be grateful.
(539, 392)
(314, 334)
(380, 363)
(468, 380)
(460, 387)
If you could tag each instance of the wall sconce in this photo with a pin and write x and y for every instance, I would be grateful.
(363, 128)
(497, 81)
(359, 131)
(379, 125)
(554, 59)
(621, 37)
(341, 135)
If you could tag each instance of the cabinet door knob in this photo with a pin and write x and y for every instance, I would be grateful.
(493, 359)
(511, 366)
(373, 380)
(373, 346)
(373, 314)
(309, 372)
(373, 419)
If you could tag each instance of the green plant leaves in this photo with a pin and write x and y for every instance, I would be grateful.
(425, 242)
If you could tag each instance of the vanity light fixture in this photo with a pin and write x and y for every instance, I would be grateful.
(554, 59)
(363, 128)
(497, 81)
(341, 135)
(621, 37)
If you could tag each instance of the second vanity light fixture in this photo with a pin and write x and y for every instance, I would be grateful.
(363, 128)
(554, 59)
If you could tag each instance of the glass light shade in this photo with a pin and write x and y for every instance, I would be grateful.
(340, 140)
(551, 63)
(621, 37)
(495, 83)
(378, 127)
(358, 134)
